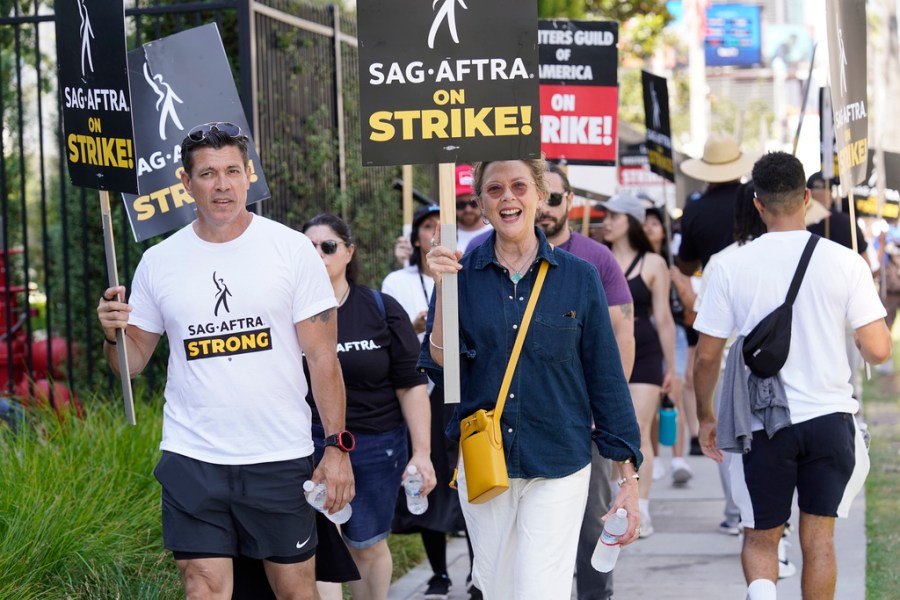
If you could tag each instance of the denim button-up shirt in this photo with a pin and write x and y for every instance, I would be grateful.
(568, 373)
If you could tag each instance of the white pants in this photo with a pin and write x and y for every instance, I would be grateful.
(526, 539)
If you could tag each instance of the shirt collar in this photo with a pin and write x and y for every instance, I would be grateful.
(483, 255)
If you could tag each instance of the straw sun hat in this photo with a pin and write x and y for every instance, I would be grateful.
(722, 161)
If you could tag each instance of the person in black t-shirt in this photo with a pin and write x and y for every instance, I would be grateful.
(835, 226)
(377, 349)
(706, 223)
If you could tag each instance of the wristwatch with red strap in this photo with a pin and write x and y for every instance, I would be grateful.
(343, 440)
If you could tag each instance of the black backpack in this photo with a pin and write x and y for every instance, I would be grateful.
(767, 346)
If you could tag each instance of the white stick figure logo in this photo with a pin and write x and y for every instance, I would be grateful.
(166, 99)
(843, 62)
(446, 11)
(87, 33)
(654, 100)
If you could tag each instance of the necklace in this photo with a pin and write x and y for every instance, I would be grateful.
(517, 274)
(344, 297)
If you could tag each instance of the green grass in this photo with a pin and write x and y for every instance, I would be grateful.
(407, 552)
(79, 508)
(882, 413)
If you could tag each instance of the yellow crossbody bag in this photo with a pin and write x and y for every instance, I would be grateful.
(480, 440)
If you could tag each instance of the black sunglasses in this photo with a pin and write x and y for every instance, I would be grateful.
(328, 246)
(462, 204)
(201, 132)
(555, 198)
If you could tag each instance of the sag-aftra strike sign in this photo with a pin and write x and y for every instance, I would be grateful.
(448, 80)
(847, 65)
(96, 101)
(178, 82)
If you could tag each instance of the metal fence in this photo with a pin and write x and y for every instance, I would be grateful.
(295, 65)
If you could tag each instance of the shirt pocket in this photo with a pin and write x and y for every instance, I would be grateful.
(553, 338)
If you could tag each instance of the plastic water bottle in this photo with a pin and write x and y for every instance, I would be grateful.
(668, 422)
(607, 550)
(316, 495)
(415, 501)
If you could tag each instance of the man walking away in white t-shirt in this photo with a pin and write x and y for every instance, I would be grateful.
(821, 453)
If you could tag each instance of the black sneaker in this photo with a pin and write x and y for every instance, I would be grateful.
(695, 447)
(474, 592)
(438, 587)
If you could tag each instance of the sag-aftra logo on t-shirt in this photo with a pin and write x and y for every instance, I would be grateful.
(229, 336)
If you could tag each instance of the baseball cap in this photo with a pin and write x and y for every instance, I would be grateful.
(464, 180)
(628, 204)
(816, 181)
(423, 213)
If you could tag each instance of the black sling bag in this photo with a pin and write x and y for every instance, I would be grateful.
(767, 346)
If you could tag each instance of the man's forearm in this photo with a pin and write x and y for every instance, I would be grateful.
(706, 375)
(622, 319)
(328, 391)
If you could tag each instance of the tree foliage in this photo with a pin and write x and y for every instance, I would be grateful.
(561, 9)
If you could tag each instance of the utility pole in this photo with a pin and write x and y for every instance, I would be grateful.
(695, 20)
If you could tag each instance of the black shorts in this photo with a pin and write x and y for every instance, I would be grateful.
(254, 510)
(824, 459)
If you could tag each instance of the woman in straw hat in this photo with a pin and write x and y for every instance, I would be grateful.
(706, 224)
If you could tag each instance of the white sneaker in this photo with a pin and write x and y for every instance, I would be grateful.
(785, 567)
(681, 471)
(646, 526)
(659, 472)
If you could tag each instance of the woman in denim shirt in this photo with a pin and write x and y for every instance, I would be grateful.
(568, 376)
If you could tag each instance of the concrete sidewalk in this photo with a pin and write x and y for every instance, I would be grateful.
(687, 558)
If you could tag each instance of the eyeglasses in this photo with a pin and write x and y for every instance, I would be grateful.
(462, 204)
(555, 198)
(201, 132)
(328, 246)
(518, 188)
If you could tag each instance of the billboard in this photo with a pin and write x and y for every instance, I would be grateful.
(732, 35)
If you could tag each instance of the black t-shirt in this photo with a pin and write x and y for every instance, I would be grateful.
(378, 356)
(708, 224)
(839, 231)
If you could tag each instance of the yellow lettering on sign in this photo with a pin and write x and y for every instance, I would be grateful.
(100, 151)
(441, 123)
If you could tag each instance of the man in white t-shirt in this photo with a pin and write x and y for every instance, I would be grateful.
(821, 454)
(240, 299)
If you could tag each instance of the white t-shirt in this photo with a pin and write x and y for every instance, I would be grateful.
(751, 281)
(464, 237)
(235, 390)
(411, 288)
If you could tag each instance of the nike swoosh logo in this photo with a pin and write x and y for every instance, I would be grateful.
(299, 545)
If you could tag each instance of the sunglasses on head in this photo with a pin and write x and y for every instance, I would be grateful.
(555, 198)
(328, 246)
(462, 204)
(201, 132)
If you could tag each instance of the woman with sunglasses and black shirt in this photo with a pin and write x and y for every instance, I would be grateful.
(377, 349)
